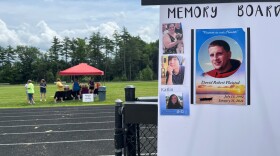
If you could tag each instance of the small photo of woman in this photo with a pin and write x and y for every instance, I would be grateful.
(172, 38)
(174, 102)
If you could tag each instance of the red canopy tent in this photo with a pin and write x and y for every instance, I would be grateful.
(81, 69)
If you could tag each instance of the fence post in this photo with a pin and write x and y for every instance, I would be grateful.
(131, 128)
(129, 93)
(138, 139)
(119, 138)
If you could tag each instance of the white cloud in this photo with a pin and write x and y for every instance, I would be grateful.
(148, 33)
(19, 26)
(45, 31)
(26, 37)
(108, 29)
(40, 35)
(8, 37)
(34, 40)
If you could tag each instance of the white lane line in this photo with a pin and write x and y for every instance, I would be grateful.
(55, 142)
(53, 114)
(50, 131)
(94, 107)
(99, 117)
(55, 111)
(60, 124)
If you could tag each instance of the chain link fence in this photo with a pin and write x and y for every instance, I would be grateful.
(135, 129)
(141, 139)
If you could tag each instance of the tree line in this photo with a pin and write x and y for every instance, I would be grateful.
(122, 58)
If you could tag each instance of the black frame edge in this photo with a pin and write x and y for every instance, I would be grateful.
(248, 66)
(192, 65)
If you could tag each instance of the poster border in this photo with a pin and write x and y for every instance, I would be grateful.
(248, 66)
(192, 66)
(248, 62)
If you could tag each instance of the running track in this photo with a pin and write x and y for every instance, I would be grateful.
(57, 131)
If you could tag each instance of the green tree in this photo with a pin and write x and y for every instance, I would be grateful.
(108, 47)
(55, 50)
(116, 67)
(54, 53)
(96, 57)
(41, 67)
(79, 51)
(66, 48)
(134, 61)
(150, 56)
(9, 55)
(28, 57)
(146, 74)
(2, 56)
(125, 57)
(124, 47)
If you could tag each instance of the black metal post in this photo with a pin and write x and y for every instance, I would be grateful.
(131, 139)
(129, 93)
(138, 140)
(131, 128)
(119, 138)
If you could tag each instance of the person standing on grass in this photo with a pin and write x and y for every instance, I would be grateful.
(43, 90)
(60, 88)
(95, 92)
(30, 91)
(25, 86)
(91, 85)
(76, 89)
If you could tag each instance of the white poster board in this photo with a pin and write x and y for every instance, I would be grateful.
(88, 98)
(226, 129)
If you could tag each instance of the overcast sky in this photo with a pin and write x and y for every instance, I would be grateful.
(35, 22)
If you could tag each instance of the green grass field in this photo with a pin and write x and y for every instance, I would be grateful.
(13, 96)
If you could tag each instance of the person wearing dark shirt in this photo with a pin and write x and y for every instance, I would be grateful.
(171, 40)
(43, 89)
(76, 89)
(91, 85)
(84, 89)
(174, 103)
(220, 57)
(175, 71)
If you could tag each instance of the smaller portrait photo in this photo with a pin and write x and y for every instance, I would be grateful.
(172, 70)
(174, 103)
(172, 38)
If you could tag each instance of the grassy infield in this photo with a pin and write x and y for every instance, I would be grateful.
(13, 96)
